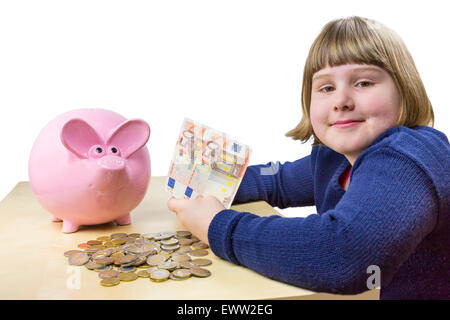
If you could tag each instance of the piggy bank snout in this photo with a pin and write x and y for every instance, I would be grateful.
(113, 163)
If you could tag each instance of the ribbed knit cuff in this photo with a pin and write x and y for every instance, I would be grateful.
(220, 233)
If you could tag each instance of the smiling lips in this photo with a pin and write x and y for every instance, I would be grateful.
(346, 123)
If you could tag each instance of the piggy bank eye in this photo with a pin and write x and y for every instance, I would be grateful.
(98, 150)
(114, 150)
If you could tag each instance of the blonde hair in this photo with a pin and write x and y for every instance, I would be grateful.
(364, 41)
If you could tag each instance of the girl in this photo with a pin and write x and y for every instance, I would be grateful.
(378, 175)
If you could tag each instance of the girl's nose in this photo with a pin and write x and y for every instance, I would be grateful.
(344, 101)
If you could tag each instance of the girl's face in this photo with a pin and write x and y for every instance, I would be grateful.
(351, 105)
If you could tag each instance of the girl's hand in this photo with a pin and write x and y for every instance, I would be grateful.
(196, 214)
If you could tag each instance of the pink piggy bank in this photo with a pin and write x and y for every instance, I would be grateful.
(90, 166)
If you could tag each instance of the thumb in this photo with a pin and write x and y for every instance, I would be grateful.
(175, 204)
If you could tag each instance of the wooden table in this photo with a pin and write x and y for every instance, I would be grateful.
(33, 265)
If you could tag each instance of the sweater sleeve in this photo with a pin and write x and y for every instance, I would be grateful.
(389, 208)
(271, 181)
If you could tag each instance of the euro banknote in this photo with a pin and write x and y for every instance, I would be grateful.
(206, 162)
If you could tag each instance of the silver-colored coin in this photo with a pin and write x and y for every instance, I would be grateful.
(156, 259)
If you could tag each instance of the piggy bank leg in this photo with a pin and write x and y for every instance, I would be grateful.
(56, 219)
(125, 219)
(69, 227)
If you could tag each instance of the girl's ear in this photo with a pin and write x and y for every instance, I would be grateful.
(78, 137)
(129, 136)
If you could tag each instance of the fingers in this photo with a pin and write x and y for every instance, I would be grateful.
(175, 204)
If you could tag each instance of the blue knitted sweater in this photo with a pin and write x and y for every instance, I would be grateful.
(395, 215)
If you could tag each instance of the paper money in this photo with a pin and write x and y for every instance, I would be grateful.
(206, 162)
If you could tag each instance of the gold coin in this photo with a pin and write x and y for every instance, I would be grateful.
(94, 242)
(118, 235)
(200, 272)
(78, 259)
(70, 252)
(172, 277)
(198, 252)
(109, 274)
(109, 282)
(181, 257)
(118, 241)
(159, 275)
(134, 235)
(184, 234)
(186, 264)
(182, 273)
(117, 255)
(200, 245)
(156, 259)
(143, 274)
(127, 276)
(202, 262)
(195, 239)
(184, 249)
(184, 242)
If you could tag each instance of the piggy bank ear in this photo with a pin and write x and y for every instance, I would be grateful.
(78, 137)
(129, 136)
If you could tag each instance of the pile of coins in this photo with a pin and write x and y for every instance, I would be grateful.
(158, 256)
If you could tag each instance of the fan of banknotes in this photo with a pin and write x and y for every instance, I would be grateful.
(206, 162)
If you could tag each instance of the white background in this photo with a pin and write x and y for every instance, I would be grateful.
(233, 65)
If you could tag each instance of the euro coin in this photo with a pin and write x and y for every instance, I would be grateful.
(198, 252)
(109, 282)
(170, 242)
(143, 274)
(182, 273)
(127, 276)
(200, 245)
(159, 275)
(70, 252)
(184, 242)
(94, 242)
(184, 234)
(202, 262)
(168, 265)
(156, 259)
(118, 235)
(91, 265)
(109, 274)
(127, 269)
(126, 259)
(104, 261)
(200, 272)
(78, 259)
(180, 257)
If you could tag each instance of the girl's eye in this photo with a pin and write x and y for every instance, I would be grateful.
(326, 89)
(99, 150)
(364, 84)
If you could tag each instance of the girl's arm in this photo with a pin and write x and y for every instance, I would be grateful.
(388, 209)
(268, 182)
